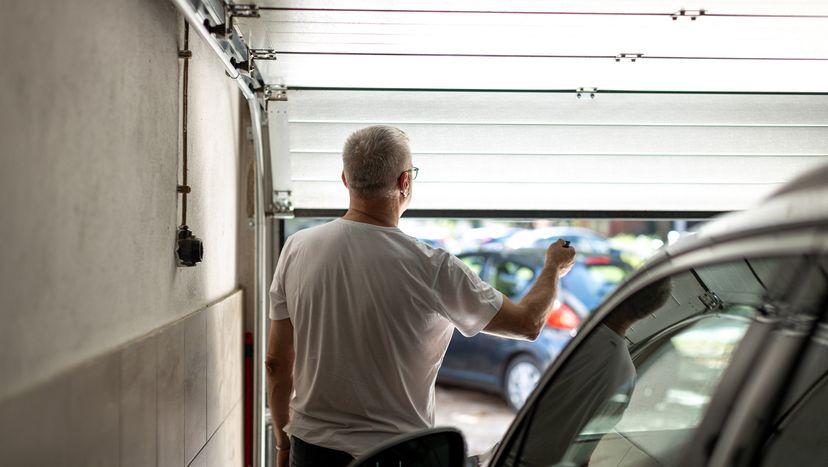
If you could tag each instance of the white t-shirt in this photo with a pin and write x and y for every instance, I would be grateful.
(373, 312)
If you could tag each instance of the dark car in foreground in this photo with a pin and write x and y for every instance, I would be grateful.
(731, 370)
(512, 367)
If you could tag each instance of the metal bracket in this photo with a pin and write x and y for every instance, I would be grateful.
(711, 301)
(581, 91)
(214, 14)
(243, 10)
(233, 46)
(275, 93)
(628, 56)
(253, 80)
(263, 54)
(282, 205)
(692, 14)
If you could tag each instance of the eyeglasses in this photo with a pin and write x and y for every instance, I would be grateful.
(413, 170)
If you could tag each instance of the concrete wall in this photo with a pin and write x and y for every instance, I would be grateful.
(89, 136)
(172, 398)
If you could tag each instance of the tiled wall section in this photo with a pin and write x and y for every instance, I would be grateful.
(173, 399)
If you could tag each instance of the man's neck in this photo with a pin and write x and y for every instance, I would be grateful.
(377, 212)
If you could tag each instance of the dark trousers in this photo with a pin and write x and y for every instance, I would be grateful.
(303, 454)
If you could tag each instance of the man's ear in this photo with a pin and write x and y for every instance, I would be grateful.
(404, 182)
(344, 182)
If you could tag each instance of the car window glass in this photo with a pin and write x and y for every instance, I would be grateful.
(675, 381)
(474, 262)
(584, 285)
(606, 274)
(604, 404)
(512, 279)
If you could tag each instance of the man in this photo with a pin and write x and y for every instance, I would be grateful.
(362, 315)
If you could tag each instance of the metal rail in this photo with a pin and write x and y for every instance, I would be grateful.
(196, 23)
(260, 289)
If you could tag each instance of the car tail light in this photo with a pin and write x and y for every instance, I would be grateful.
(562, 317)
(593, 260)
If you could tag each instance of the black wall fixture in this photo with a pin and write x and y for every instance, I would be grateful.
(189, 248)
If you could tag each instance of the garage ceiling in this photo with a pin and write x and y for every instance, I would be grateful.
(712, 115)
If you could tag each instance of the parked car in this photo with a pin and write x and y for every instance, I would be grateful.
(584, 240)
(511, 367)
(732, 370)
(486, 238)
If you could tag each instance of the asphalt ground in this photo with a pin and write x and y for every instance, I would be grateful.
(483, 418)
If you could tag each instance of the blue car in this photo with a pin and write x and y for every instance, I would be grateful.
(512, 367)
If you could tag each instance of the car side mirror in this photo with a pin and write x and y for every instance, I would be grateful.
(437, 447)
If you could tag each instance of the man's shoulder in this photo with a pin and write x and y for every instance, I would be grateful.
(314, 231)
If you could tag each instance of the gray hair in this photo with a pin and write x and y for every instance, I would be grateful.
(373, 159)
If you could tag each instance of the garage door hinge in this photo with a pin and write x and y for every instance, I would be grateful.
(243, 10)
(581, 92)
(711, 301)
(263, 54)
(275, 93)
(628, 56)
(692, 14)
(282, 207)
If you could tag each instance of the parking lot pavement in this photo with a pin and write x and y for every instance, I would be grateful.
(483, 418)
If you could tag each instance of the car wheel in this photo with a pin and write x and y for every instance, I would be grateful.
(522, 375)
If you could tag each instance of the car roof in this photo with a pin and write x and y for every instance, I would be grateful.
(803, 204)
(805, 182)
(532, 256)
(803, 201)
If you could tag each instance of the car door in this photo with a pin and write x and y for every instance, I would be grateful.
(778, 417)
(636, 396)
(800, 426)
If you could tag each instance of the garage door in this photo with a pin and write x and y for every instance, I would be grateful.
(588, 107)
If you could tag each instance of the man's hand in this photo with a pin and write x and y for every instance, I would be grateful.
(526, 319)
(561, 256)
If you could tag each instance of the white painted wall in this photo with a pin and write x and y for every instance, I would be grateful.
(90, 101)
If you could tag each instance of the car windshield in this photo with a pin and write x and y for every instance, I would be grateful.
(640, 383)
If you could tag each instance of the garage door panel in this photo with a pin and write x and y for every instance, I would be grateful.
(518, 151)
(631, 6)
(579, 139)
(567, 168)
(399, 108)
(547, 196)
(697, 75)
(542, 34)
